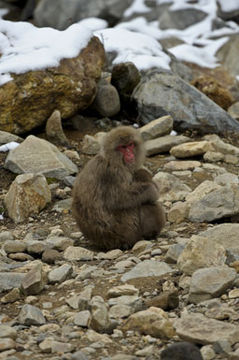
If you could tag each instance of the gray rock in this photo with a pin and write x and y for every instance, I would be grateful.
(100, 320)
(217, 204)
(173, 253)
(228, 54)
(34, 281)
(36, 247)
(82, 318)
(9, 281)
(200, 252)
(6, 137)
(79, 355)
(50, 256)
(27, 157)
(6, 235)
(91, 144)
(147, 268)
(28, 194)
(163, 144)
(180, 19)
(81, 301)
(8, 332)
(7, 344)
(121, 290)
(162, 93)
(153, 321)
(170, 187)
(48, 13)
(132, 301)
(210, 282)
(14, 246)
(60, 243)
(233, 110)
(54, 130)
(181, 351)
(31, 315)
(125, 76)
(107, 101)
(157, 128)
(199, 329)
(120, 311)
(60, 274)
(223, 234)
(78, 253)
(52, 346)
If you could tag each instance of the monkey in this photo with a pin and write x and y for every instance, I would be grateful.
(114, 198)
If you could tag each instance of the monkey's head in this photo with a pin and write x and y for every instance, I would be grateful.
(124, 145)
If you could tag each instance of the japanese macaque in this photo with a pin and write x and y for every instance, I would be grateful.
(114, 198)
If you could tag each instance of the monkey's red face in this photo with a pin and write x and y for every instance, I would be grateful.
(128, 152)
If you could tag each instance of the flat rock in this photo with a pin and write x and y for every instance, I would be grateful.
(170, 187)
(6, 137)
(14, 246)
(164, 144)
(199, 329)
(182, 165)
(9, 281)
(28, 158)
(223, 202)
(78, 253)
(191, 149)
(157, 128)
(210, 282)
(225, 235)
(60, 274)
(120, 290)
(200, 252)
(147, 268)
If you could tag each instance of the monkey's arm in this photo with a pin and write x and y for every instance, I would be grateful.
(124, 196)
(144, 175)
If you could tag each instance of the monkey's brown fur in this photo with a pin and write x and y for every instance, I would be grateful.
(115, 204)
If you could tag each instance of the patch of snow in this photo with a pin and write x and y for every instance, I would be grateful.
(9, 146)
(144, 51)
(138, 6)
(25, 47)
(228, 5)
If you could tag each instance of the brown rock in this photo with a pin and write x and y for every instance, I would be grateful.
(36, 94)
(167, 300)
(215, 91)
(28, 194)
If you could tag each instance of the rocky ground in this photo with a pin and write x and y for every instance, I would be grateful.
(61, 299)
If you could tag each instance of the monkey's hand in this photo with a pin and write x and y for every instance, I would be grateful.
(143, 175)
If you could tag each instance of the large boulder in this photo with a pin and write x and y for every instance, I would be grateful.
(30, 98)
(161, 93)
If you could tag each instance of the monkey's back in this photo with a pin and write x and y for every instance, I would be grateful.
(93, 190)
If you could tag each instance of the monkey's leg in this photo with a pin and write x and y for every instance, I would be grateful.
(152, 220)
